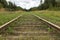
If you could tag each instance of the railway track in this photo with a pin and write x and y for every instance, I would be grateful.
(29, 27)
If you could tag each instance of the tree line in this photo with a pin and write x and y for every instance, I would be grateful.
(10, 6)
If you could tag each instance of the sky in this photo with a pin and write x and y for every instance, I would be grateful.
(27, 4)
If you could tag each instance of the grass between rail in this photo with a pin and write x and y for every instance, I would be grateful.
(52, 16)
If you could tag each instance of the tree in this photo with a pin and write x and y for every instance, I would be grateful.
(52, 2)
(12, 7)
(4, 3)
(1, 5)
(44, 6)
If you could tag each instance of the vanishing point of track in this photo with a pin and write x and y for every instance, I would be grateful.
(29, 27)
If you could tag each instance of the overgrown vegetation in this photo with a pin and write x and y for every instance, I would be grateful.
(52, 16)
(7, 16)
(49, 5)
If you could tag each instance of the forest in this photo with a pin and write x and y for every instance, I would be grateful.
(48, 4)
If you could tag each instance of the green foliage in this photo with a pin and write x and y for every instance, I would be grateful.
(49, 29)
(18, 8)
(11, 6)
(7, 16)
(9, 30)
(47, 5)
(52, 16)
(1, 5)
(4, 3)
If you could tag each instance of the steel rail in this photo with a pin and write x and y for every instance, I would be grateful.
(48, 22)
(2, 27)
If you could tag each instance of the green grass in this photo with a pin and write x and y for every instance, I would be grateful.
(7, 16)
(1, 38)
(44, 14)
(52, 16)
